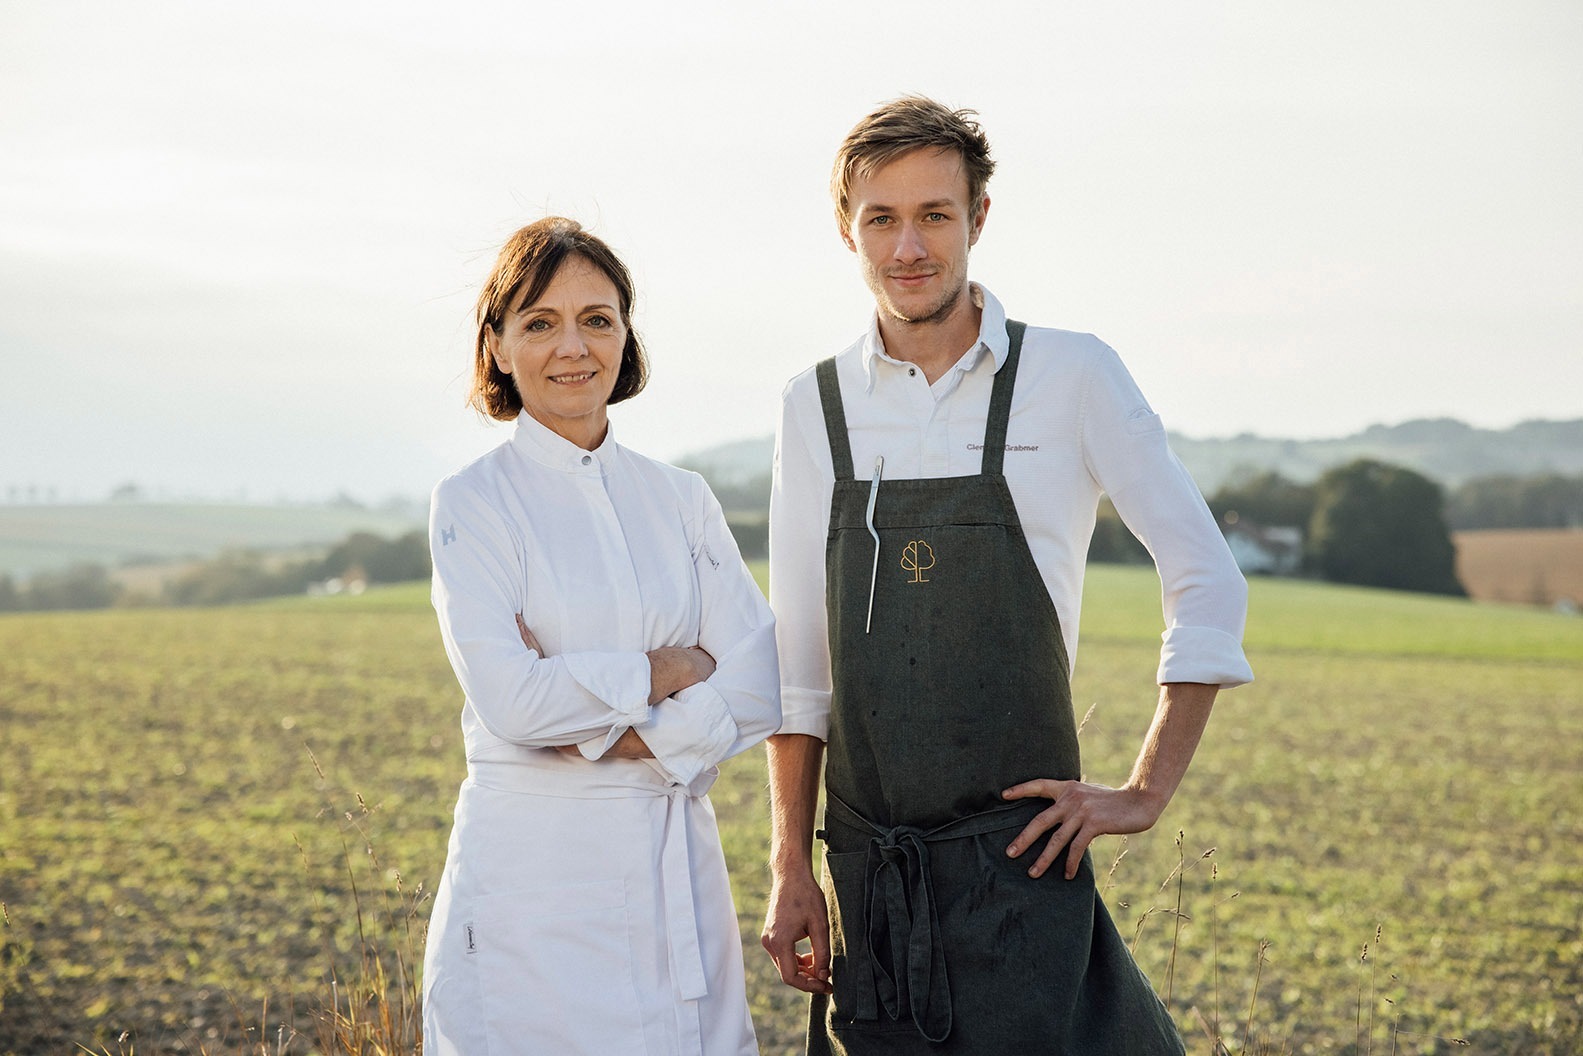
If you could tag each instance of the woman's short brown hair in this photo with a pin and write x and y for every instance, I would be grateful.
(527, 264)
(901, 126)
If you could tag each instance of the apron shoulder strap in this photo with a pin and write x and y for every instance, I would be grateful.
(835, 419)
(999, 403)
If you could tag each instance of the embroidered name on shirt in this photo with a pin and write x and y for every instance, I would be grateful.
(448, 535)
(713, 562)
(917, 557)
(1009, 447)
(472, 947)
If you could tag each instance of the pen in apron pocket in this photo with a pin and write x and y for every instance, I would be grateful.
(873, 494)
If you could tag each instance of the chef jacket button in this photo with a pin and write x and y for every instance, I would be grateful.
(912, 372)
(587, 459)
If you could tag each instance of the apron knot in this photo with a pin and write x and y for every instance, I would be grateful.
(907, 958)
(899, 964)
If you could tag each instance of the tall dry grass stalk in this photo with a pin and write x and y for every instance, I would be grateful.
(372, 1004)
(374, 1009)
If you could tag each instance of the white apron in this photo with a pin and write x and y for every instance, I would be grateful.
(600, 925)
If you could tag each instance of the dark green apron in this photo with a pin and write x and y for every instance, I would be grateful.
(940, 942)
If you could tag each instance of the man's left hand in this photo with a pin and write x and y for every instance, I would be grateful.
(1079, 813)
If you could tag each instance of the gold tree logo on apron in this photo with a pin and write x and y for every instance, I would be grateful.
(917, 557)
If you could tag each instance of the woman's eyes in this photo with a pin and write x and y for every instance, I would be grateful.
(542, 325)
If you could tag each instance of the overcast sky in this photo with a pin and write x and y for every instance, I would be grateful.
(240, 243)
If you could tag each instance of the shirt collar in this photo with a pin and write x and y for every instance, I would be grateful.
(545, 446)
(991, 338)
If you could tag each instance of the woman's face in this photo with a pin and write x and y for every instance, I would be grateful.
(563, 352)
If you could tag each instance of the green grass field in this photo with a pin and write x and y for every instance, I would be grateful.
(172, 858)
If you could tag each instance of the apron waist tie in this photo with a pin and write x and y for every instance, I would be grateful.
(898, 904)
(687, 961)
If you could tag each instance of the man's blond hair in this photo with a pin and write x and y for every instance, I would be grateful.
(901, 126)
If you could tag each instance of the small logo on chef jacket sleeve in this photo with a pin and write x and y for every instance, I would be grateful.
(448, 535)
(472, 944)
(714, 562)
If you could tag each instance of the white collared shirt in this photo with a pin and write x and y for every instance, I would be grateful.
(1079, 427)
(607, 555)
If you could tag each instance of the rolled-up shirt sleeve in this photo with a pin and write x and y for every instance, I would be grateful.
(518, 695)
(799, 513)
(1203, 594)
(739, 705)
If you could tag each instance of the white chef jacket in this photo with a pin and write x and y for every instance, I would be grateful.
(584, 905)
(1078, 427)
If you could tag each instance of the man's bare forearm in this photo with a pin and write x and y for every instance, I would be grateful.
(795, 760)
(1169, 746)
(1080, 811)
(797, 909)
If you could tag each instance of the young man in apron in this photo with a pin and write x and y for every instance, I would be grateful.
(935, 490)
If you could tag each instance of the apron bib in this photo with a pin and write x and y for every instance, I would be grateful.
(956, 687)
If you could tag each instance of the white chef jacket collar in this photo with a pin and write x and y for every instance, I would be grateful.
(991, 338)
(545, 446)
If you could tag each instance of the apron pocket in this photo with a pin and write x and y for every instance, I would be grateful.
(555, 969)
(848, 931)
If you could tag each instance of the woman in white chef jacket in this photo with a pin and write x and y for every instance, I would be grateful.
(611, 649)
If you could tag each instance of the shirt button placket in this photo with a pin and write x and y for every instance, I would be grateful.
(623, 574)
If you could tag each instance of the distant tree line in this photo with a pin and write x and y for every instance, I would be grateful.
(752, 533)
(746, 504)
(1367, 523)
(81, 586)
(1547, 501)
(751, 496)
(241, 575)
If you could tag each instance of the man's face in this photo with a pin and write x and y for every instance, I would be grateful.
(912, 228)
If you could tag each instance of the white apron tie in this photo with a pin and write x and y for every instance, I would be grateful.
(687, 961)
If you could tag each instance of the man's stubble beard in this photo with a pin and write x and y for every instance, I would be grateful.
(938, 314)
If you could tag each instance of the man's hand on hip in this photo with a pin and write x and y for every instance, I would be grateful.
(1079, 813)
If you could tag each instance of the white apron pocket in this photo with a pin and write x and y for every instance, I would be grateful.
(555, 969)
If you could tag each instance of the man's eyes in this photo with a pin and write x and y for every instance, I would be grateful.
(885, 221)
